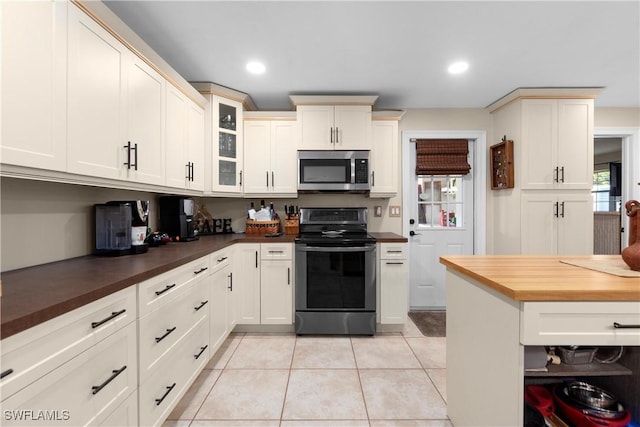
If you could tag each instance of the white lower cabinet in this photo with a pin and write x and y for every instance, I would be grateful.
(84, 390)
(393, 274)
(173, 338)
(276, 284)
(223, 306)
(556, 222)
(173, 375)
(124, 415)
(264, 283)
(247, 268)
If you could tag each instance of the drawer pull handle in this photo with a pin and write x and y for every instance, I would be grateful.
(394, 263)
(166, 334)
(158, 293)
(114, 314)
(166, 393)
(623, 326)
(202, 304)
(6, 373)
(276, 252)
(96, 388)
(394, 252)
(202, 349)
(222, 259)
(201, 270)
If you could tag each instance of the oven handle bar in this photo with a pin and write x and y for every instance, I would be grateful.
(365, 248)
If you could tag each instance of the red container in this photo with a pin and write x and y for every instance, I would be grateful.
(539, 397)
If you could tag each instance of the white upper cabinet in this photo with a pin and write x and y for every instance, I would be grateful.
(116, 107)
(97, 99)
(145, 123)
(34, 84)
(339, 127)
(557, 144)
(270, 157)
(384, 158)
(185, 141)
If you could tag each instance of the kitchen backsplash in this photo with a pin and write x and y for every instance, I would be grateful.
(45, 222)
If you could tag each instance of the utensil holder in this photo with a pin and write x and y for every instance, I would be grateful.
(292, 225)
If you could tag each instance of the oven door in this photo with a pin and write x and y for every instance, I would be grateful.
(335, 278)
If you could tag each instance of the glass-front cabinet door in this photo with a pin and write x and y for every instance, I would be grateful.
(226, 168)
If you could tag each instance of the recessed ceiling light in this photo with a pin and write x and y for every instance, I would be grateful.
(255, 67)
(458, 67)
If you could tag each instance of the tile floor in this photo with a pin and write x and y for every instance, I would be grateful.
(282, 380)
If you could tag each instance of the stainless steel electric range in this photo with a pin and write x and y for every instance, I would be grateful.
(335, 262)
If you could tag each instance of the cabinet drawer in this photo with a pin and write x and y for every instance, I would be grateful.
(126, 415)
(173, 376)
(164, 328)
(157, 291)
(276, 251)
(393, 251)
(38, 350)
(220, 259)
(83, 391)
(579, 323)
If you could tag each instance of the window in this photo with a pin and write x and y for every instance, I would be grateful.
(440, 201)
(602, 200)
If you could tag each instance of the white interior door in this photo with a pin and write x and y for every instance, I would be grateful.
(441, 222)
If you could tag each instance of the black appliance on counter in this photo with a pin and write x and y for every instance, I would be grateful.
(121, 227)
(176, 218)
(335, 264)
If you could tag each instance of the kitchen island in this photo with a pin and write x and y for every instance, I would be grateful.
(498, 305)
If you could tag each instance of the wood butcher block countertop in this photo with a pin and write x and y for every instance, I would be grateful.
(545, 278)
(33, 295)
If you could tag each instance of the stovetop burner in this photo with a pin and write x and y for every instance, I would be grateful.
(334, 226)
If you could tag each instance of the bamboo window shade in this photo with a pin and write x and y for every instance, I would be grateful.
(442, 157)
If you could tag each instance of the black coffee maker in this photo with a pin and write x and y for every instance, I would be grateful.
(176, 218)
(121, 227)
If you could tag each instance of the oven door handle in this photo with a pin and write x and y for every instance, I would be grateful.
(366, 248)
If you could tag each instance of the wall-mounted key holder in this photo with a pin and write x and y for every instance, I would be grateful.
(502, 165)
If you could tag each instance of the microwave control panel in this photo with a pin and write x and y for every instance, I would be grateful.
(362, 171)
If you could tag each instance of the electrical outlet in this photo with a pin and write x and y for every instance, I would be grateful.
(394, 211)
(377, 211)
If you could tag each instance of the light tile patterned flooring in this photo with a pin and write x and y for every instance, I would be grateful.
(284, 380)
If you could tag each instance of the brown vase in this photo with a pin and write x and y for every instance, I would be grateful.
(631, 254)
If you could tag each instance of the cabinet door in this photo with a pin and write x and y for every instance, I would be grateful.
(352, 127)
(575, 143)
(575, 224)
(316, 127)
(257, 140)
(384, 159)
(393, 291)
(284, 178)
(218, 312)
(540, 137)
(539, 224)
(227, 152)
(232, 298)
(195, 146)
(176, 134)
(145, 123)
(96, 98)
(247, 283)
(34, 84)
(276, 299)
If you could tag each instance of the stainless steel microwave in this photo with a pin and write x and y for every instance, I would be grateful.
(333, 170)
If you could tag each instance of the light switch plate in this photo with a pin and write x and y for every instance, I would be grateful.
(377, 211)
(394, 211)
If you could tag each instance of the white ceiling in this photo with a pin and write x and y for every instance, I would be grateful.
(399, 50)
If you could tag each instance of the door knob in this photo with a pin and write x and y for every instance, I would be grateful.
(413, 233)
